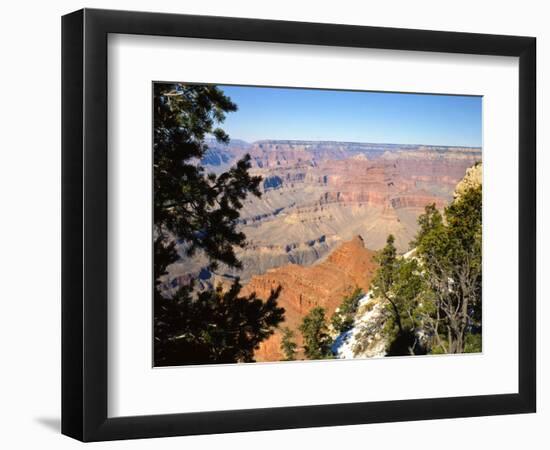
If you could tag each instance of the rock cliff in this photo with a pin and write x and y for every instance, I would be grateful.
(324, 284)
(317, 195)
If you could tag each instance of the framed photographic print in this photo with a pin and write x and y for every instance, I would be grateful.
(273, 224)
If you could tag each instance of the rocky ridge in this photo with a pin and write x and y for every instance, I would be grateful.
(324, 284)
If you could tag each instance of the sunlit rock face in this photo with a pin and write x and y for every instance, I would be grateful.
(472, 179)
(317, 195)
(324, 284)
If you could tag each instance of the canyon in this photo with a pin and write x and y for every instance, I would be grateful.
(317, 195)
(325, 209)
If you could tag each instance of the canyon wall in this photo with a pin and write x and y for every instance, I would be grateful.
(317, 195)
(326, 207)
(349, 266)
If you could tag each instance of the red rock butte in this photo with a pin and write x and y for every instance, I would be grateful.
(324, 284)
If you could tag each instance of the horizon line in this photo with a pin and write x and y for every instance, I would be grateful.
(347, 142)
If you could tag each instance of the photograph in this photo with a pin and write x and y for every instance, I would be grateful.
(295, 224)
(275, 225)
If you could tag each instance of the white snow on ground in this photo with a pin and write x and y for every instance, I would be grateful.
(365, 323)
(366, 328)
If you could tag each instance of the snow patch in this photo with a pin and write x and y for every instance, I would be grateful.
(363, 340)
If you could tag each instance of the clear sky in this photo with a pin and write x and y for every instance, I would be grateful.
(377, 117)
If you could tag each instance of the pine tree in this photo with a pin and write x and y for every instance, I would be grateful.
(314, 330)
(200, 210)
(288, 346)
(399, 282)
(383, 281)
(343, 318)
(450, 251)
(215, 327)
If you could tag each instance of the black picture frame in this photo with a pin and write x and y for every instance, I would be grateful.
(84, 224)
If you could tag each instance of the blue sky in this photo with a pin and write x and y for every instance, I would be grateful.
(378, 117)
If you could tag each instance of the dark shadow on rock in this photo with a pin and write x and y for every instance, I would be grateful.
(53, 423)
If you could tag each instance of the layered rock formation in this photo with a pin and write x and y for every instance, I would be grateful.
(325, 208)
(310, 203)
(324, 284)
(280, 153)
(317, 195)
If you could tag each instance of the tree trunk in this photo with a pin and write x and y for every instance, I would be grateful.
(397, 315)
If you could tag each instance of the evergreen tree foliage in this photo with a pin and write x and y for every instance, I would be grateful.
(199, 210)
(215, 327)
(342, 319)
(434, 297)
(288, 346)
(450, 251)
(399, 282)
(384, 278)
(314, 330)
